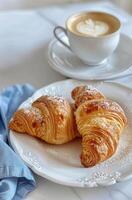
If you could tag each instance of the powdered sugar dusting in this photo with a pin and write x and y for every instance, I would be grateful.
(33, 111)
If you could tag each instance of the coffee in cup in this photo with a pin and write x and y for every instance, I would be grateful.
(93, 24)
(93, 36)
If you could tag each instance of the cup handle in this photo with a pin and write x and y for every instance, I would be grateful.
(56, 29)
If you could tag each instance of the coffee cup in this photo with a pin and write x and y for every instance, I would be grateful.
(93, 36)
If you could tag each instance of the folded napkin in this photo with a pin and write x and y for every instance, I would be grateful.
(16, 180)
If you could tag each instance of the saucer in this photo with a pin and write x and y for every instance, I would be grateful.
(65, 62)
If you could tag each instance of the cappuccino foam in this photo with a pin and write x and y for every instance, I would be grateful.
(92, 27)
(93, 24)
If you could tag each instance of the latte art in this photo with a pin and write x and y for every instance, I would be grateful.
(92, 27)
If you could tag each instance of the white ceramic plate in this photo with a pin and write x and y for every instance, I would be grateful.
(61, 163)
(65, 62)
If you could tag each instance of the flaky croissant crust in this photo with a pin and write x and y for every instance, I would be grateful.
(100, 122)
(49, 118)
(84, 93)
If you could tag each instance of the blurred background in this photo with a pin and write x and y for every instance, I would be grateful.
(28, 4)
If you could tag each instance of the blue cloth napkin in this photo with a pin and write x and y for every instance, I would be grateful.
(16, 180)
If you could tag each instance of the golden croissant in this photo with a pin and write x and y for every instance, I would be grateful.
(100, 122)
(49, 118)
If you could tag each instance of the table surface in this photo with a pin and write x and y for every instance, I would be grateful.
(24, 39)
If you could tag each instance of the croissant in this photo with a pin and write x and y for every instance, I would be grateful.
(49, 118)
(84, 93)
(100, 122)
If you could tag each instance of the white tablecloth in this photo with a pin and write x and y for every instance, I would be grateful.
(24, 38)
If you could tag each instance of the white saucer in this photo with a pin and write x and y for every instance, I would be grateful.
(65, 62)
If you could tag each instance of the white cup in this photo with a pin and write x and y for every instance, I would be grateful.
(91, 50)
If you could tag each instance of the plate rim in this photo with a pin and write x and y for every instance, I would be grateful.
(72, 183)
(59, 69)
